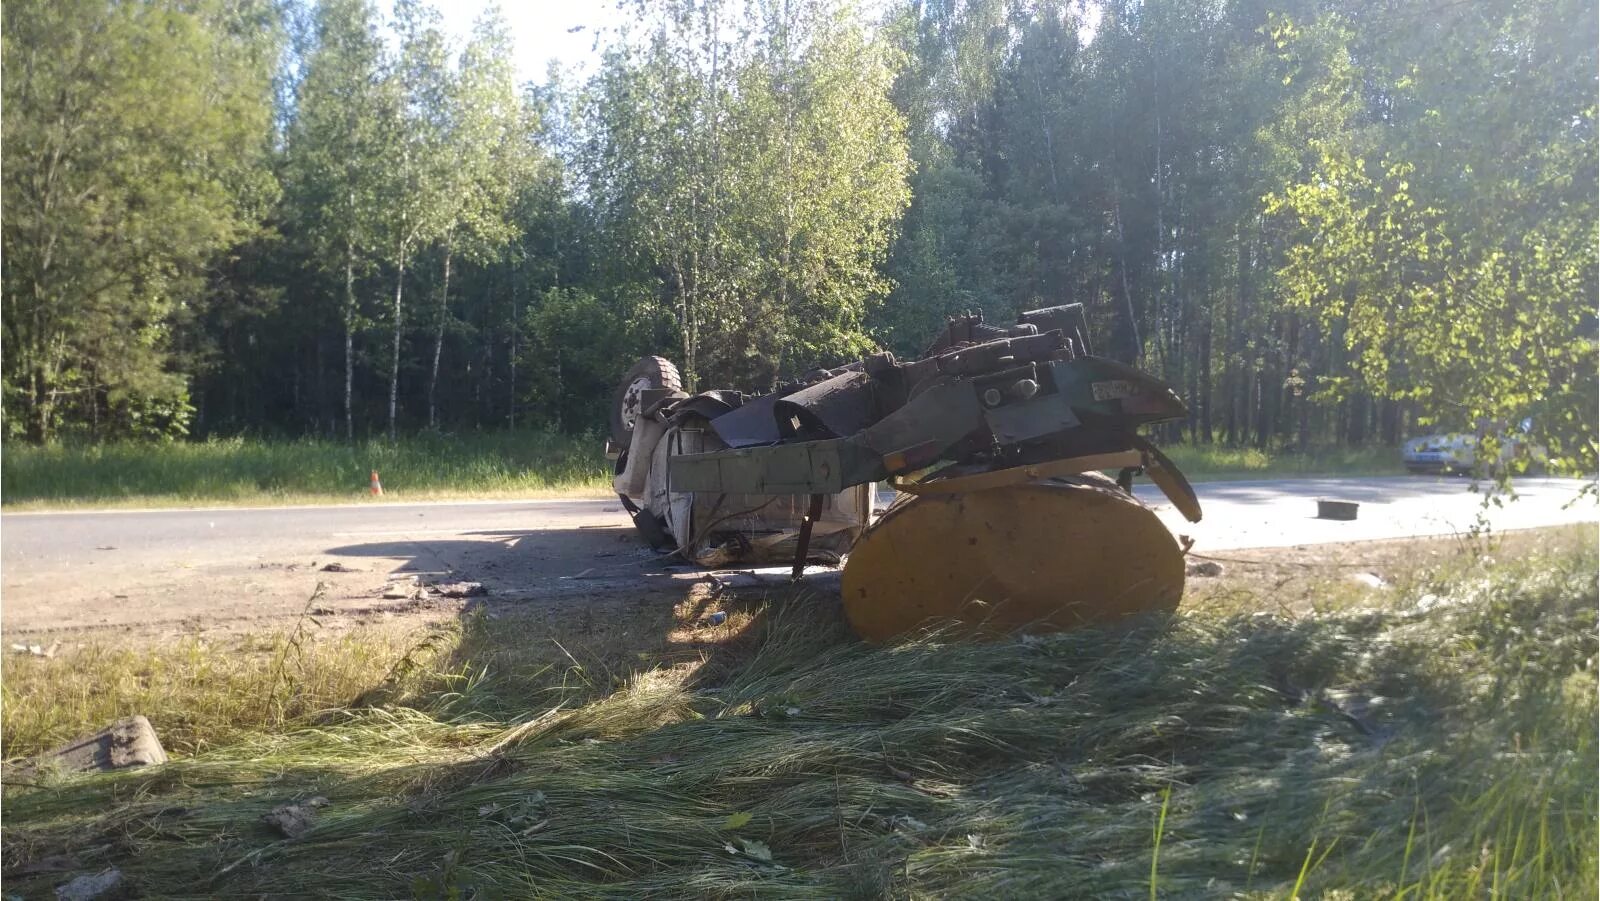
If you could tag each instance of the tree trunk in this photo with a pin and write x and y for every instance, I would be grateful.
(1391, 422)
(1206, 433)
(349, 337)
(438, 338)
(1303, 432)
(1134, 344)
(394, 362)
(511, 362)
(321, 426)
(38, 418)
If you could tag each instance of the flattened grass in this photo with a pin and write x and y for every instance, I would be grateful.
(247, 471)
(1441, 745)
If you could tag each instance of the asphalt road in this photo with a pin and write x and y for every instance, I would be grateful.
(135, 569)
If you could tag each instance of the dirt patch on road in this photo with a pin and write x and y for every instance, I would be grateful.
(610, 602)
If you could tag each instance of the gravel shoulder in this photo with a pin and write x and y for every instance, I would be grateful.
(179, 572)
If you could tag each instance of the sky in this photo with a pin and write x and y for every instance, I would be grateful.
(543, 30)
(570, 32)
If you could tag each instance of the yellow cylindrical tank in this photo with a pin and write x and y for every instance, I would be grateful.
(1045, 555)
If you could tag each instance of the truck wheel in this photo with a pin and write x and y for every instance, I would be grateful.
(648, 373)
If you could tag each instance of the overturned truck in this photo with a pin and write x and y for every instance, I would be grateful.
(997, 439)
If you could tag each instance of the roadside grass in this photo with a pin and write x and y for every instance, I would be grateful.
(1433, 742)
(258, 472)
(1218, 462)
(205, 693)
(247, 471)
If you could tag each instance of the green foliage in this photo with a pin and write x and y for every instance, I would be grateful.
(574, 337)
(136, 149)
(1324, 224)
(1479, 310)
(757, 182)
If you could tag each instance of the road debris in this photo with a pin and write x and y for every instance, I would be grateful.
(1203, 568)
(408, 588)
(459, 589)
(87, 888)
(37, 650)
(337, 567)
(1328, 508)
(125, 743)
(295, 820)
(1369, 579)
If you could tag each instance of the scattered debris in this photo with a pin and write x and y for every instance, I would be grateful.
(738, 579)
(717, 619)
(105, 547)
(337, 567)
(37, 650)
(125, 743)
(907, 823)
(1359, 710)
(1332, 509)
(756, 851)
(1203, 568)
(295, 820)
(86, 888)
(1370, 579)
(404, 589)
(412, 588)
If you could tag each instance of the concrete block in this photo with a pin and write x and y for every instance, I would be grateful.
(125, 743)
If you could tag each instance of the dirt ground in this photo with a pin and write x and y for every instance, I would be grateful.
(676, 602)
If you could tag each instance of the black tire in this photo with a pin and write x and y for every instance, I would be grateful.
(649, 372)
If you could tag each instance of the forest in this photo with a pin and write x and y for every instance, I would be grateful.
(1322, 221)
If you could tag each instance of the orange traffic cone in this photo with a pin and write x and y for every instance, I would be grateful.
(377, 487)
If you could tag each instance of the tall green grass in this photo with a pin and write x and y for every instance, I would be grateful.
(1216, 461)
(259, 471)
(246, 470)
(1441, 746)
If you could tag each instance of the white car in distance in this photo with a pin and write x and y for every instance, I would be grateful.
(1457, 452)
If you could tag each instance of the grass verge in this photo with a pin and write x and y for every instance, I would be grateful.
(241, 471)
(1219, 462)
(253, 472)
(1441, 743)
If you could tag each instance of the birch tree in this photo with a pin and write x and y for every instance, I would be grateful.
(337, 156)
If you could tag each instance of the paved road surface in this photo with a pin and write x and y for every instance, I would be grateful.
(148, 568)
